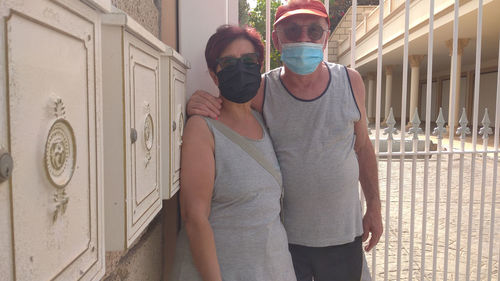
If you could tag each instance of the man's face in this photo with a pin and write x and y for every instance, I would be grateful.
(302, 28)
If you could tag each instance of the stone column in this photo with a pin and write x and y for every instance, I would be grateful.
(371, 96)
(462, 43)
(388, 90)
(415, 82)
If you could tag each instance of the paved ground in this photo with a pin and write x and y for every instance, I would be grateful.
(410, 194)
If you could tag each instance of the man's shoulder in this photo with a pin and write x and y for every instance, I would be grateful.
(274, 70)
(336, 66)
(273, 74)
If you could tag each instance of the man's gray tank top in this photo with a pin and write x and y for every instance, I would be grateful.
(314, 143)
(250, 239)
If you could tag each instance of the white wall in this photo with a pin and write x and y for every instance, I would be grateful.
(198, 20)
(446, 98)
(487, 96)
(422, 107)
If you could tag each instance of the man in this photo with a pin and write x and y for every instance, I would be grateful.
(317, 120)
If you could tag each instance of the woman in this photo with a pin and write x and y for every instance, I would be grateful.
(230, 203)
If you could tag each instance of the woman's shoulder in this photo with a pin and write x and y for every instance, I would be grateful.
(197, 128)
(196, 120)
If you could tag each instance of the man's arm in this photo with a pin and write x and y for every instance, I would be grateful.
(203, 103)
(368, 171)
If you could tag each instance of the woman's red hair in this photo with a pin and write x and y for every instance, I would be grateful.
(224, 36)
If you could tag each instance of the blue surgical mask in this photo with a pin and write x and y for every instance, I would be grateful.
(303, 57)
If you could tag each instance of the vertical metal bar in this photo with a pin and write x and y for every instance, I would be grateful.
(448, 206)
(268, 35)
(474, 133)
(353, 33)
(412, 208)
(481, 209)
(227, 12)
(436, 208)
(451, 125)
(459, 218)
(454, 76)
(377, 103)
(495, 166)
(428, 106)
(471, 200)
(402, 139)
(325, 52)
(379, 74)
(387, 208)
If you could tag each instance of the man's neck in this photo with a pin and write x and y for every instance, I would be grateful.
(308, 86)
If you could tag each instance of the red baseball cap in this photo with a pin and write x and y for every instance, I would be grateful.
(315, 8)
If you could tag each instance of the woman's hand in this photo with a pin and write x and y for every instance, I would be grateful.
(204, 104)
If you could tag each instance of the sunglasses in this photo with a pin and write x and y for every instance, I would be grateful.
(248, 59)
(293, 31)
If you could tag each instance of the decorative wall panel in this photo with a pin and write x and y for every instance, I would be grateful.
(173, 100)
(177, 115)
(50, 114)
(132, 129)
(144, 173)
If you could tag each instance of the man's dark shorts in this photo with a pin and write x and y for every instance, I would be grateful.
(341, 262)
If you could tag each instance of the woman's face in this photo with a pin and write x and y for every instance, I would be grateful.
(238, 72)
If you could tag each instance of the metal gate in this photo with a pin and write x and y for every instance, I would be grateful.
(438, 181)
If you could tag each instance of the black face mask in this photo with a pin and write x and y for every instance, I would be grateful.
(239, 83)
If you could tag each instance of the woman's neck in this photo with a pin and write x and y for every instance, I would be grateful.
(239, 117)
(235, 111)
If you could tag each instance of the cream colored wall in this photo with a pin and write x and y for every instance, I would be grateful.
(394, 27)
(487, 97)
(343, 30)
(423, 101)
(396, 95)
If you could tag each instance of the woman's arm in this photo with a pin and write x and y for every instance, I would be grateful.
(197, 183)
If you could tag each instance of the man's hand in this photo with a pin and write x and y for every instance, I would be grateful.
(204, 104)
(372, 223)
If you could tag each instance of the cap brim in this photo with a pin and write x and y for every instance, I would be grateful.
(300, 12)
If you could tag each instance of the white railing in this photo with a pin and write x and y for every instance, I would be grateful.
(429, 188)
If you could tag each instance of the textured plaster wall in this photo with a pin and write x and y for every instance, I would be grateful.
(144, 12)
(143, 261)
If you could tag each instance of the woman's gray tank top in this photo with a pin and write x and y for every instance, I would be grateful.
(250, 239)
(314, 143)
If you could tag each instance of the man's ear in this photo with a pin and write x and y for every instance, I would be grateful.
(214, 77)
(276, 41)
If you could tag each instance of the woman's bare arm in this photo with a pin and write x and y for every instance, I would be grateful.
(197, 182)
